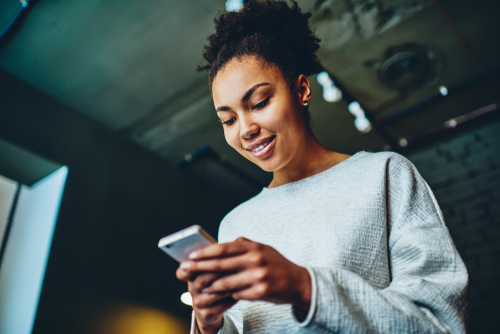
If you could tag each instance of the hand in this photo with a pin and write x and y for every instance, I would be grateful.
(208, 308)
(251, 271)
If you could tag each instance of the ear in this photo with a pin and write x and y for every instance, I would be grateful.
(303, 89)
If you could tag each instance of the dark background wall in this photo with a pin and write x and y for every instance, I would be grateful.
(464, 174)
(118, 202)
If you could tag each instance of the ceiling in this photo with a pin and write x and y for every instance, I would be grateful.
(130, 65)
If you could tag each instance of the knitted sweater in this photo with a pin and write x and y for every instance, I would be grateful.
(372, 236)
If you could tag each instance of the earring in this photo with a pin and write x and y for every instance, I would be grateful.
(305, 103)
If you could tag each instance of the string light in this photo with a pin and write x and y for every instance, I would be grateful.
(333, 94)
(234, 5)
(451, 123)
(330, 92)
(355, 109)
(360, 122)
(443, 90)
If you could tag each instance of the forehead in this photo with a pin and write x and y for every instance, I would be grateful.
(239, 75)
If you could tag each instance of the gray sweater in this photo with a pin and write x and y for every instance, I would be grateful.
(372, 236)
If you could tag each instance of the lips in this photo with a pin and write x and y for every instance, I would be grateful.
(261, 147)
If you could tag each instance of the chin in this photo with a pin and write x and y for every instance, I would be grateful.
(268, 166)
(271, 164)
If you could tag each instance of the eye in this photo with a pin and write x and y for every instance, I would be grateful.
(261, 105)
(229, 121)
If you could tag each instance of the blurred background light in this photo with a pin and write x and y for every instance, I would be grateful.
(362, 124)
(330, 92)
(443, 90)
(186, 299)
(451, 123)
(234, 5)
(324, 79)
(355, 108)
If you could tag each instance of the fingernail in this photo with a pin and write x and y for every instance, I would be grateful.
(205, 290)
(185, 265)
(193, 255)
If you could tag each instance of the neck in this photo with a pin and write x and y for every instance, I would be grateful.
(312, 158)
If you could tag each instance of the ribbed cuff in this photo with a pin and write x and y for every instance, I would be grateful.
(223, 329)
(300, 316)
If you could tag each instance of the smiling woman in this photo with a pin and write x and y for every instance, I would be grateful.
(338, 243)
(264, 120)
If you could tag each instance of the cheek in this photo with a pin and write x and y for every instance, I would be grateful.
(232, 138)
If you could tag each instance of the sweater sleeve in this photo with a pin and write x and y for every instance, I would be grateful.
(228, 325)
(428, 288)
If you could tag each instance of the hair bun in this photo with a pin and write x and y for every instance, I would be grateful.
(283, 23)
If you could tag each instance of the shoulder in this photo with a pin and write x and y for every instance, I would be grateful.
(387, 162)
(382, 157)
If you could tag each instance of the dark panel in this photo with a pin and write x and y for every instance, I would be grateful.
(22, 166)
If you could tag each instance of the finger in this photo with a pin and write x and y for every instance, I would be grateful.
(184, 275)
(219, 250)
(205, 300)
(239, 281)
(255, 292)
(204, 280)
(216, 309)
(233, 263)
(243, 239)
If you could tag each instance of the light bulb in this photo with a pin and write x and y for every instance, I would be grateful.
(187, 299)
(362, 124)
(355, 109)
(234, 5)
(332, 93)
(451, 123)
(443, 90)
(324, 79)
(403, 142)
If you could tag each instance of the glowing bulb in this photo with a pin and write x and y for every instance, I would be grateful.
(324, 79)
(355, 109)
(234, 5)
(362, 124)
(443, 90)
(332, 94)
(186, 299)
(451, 123)
(403, 142)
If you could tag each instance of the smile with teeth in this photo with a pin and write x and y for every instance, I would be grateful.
(261, 147)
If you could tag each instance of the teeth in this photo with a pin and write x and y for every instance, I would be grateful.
(257, 149)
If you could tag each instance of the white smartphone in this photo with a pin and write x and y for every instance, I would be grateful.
(180, 244)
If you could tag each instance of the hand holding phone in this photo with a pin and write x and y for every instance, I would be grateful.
(208, 308)
(180, 244)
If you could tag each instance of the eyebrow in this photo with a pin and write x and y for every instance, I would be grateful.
(245, 97)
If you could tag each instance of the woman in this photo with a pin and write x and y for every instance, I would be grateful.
(335, 244)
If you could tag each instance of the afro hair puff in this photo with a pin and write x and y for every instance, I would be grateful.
(273, 31)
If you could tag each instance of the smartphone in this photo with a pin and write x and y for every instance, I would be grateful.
(180, 244)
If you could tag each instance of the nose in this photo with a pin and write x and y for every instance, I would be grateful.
(248, 128)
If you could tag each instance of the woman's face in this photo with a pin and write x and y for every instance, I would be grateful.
(262, 119)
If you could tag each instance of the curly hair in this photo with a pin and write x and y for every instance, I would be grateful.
(271, 30)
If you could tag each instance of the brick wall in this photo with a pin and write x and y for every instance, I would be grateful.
(464, 174)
